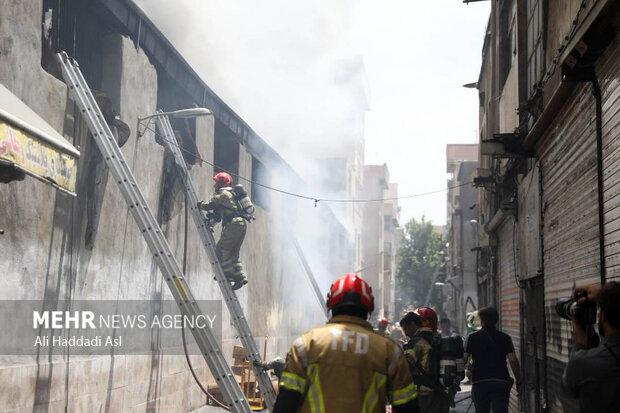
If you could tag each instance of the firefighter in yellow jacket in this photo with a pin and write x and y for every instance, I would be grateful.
(224, 207)
(344, 366)
(421, 327)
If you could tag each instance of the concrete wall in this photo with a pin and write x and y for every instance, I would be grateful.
(509, 102)
(88, 247)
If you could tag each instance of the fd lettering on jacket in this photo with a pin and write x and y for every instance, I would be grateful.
(347, 340)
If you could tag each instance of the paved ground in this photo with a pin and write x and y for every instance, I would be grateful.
(465, 404)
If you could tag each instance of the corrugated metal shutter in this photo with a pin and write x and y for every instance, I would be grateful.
(509, 293)
(570, 224)
(570, 205)
(608, 72)
(529, 266)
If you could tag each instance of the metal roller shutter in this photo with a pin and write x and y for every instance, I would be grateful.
(608, 72)
(509, 293)
(570, 224)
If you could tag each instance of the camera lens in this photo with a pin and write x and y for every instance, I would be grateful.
(566, 308)
(571, 309)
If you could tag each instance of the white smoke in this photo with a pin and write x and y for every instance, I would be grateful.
(280, 74)
(295, 81)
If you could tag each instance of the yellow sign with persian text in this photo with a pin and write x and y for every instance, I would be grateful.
(37, 158)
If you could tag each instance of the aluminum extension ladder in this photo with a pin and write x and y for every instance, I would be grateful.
(153, 235)
(208, 241)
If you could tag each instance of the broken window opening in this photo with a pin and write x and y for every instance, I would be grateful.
(226, 151)
(507, 40)
(77, 28)
(185, 132)
(261, 196)
(170, 98)
(536, 25)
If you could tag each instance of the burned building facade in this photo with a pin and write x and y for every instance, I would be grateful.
(57, 247)
(549, 137)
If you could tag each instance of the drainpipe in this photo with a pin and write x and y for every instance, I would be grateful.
(596, 92)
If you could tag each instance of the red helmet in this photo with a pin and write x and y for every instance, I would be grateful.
(428, 317)
(350, 290)
(383, 322)
(222, 179)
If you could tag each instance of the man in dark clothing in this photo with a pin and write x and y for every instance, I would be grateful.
(489, 349)
(593, 374)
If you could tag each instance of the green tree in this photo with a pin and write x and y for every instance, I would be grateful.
(419, 256)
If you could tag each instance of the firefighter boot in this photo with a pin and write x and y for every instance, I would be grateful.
(228, 248)
(238, 278)
(239, 282)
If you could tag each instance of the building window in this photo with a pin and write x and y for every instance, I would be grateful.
(185, 131)
(226, 156)
(50, 36)
(261, 196)
(75, 27)
(535, 44)
(507, 40)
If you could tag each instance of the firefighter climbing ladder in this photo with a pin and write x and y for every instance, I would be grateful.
(206, 236)
(151, 231)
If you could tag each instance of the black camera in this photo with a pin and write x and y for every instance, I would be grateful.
(569, 308)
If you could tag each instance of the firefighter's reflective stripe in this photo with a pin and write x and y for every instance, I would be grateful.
(293, 382)
(315, 393)
(371, 398)
(404, 395)
(347, 368)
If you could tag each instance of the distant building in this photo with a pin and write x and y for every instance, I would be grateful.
(381, 237)
(391, 243)
(461, 234)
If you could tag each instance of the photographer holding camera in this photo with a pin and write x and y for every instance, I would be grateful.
(593, 371)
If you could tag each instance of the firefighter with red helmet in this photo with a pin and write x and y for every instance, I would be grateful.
(421, 353)
(382, 326)
(225, 207)
(344, 366)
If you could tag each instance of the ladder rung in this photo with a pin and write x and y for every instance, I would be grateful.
(238, 317)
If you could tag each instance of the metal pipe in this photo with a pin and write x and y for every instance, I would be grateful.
(596, 92)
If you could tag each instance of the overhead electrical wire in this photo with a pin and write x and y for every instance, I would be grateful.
(316, 200)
